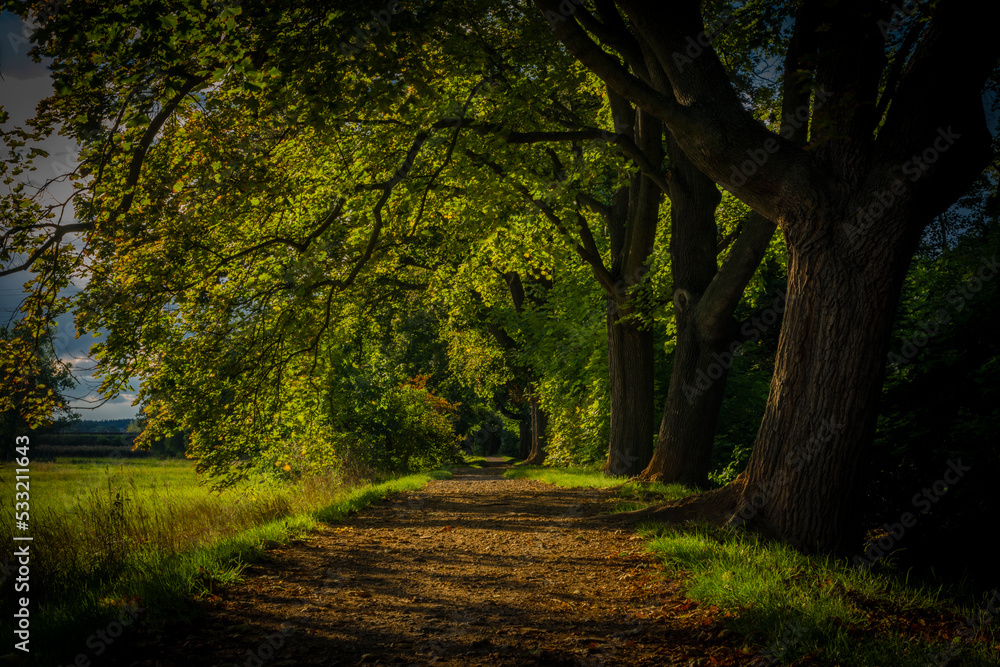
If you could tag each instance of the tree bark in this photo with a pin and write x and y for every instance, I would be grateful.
(631, 220)
(687, 430)
(630, 366)
(533, 421)
(539, 422)
(805, 474)
(524, 431)
(494, 443)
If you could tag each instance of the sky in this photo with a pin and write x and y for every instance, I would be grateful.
(24, 83)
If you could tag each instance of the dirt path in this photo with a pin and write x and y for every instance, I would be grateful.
(475, 570)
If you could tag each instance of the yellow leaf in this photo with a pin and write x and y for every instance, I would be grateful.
(286, 467)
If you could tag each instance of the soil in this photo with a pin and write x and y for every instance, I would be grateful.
(474, 570)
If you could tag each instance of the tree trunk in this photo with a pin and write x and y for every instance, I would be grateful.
(630, 366)
(524, 431)
(494, 443)
(880, 164)
(539, 422)
(705, 299)
(687, 430)
(805, 475)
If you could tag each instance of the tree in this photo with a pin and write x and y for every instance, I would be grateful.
(34, 383)
(532, 418)
(216, 117)
(279, 119)
(883, 159)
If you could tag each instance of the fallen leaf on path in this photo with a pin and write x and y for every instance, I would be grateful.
(446, 529)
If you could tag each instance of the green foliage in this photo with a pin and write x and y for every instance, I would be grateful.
(567, 340)
(33, 382)
(940, 404)
(285, 226)
(268, 201)
(400, 429)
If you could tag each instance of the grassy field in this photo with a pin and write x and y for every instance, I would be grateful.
(802, 609)
(110, 533)
(63, 484)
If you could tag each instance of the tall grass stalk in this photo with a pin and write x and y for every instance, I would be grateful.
(146, 534)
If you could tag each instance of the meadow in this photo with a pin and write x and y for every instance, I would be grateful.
(109, 532)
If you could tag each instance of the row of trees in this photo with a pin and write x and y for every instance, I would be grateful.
(529, 207)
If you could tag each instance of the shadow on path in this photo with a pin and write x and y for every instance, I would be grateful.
(474, 570)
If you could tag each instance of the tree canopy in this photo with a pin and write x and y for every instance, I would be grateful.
(343, 235)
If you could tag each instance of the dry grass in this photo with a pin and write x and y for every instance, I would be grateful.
(93, 519)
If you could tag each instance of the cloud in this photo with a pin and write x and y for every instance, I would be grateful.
(24, 84)
(15, 43)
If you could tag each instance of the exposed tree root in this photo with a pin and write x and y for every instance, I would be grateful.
(715, 507)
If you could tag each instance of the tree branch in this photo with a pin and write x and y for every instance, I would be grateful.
(723, 294)
(57, 236)
(594, 260)
(707, 118)
(386, 188)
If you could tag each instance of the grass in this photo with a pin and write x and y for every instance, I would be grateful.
(636, 495)
(817, 608)
(473, 461)
(633, 495)
(110, 533)
(565, 477)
